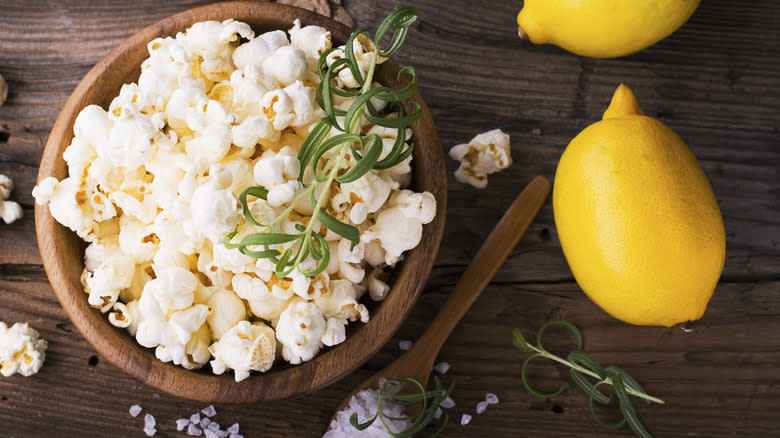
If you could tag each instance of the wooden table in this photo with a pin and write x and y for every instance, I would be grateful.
(716, 82)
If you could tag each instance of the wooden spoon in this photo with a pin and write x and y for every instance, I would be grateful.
(418, 361)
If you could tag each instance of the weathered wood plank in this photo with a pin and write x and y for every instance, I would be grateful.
(716, 82)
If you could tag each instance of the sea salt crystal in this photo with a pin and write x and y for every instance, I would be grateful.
(182, 423)
(441, 367)
(481, 407)
(536, 131)
(236, 435)
(195, 418)
(209, 411)
(149, 421)
(213, 426)
(135, 410)
(405, 345)
(491, 398)
(194, 430)
(364, 405)
(208, 433)
(233, 428)
(465, 419)
(447, 403)
(438, 414)
(150, 431)
(204, 422)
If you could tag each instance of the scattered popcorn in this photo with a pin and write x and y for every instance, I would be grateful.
(405, 344)
(486, 153)
(465, 419)
(135, 410)
(21, 350)
(154, 186)
(481, 406)
(10, 211)
(3, 90)
(491, 398)
(441, 367)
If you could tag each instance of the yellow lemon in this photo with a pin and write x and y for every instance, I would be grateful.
(637, 218)
(602, 28)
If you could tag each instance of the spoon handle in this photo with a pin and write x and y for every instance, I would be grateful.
(486, 262)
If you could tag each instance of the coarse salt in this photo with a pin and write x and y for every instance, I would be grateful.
(135, 410)
(233, 428)
(481, 407)
(448, 403)
(209, 411)
(150, 431)
(441, 367)
(364, 405)
(194, 430)
(491, 398)
(405, 345)
(149, 420)
(204, 422)
(209, 433)
(195, 418)
(182, 424)
(465, 419)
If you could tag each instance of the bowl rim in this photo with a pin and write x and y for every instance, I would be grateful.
(122, 350)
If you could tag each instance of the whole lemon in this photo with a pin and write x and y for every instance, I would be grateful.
(637, 218)
(602, 28)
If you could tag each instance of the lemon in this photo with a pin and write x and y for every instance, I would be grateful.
(602, 28)
(637, 218)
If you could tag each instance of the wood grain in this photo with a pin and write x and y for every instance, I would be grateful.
(716, 82)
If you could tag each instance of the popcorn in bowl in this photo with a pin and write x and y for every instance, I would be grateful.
(158, 187)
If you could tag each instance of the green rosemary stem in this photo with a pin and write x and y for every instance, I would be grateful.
(607, 380)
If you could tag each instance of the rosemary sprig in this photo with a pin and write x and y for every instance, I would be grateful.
(582, 365)
(336, 142)
(394, 394)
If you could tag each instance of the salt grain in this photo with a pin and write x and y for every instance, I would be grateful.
(135, 410)
(233, 428)
(150, 431)
(491, 398)
(536, 131)
(364, 405)
(194, 430)
(209, 411)
(195, 418)
(213, 426)
(438, 414)
(236, 435)
(447, 403)
(465, 419)
(181, 424)
(149, 421)
(405, 345)
(481, 407)
(208, 433)
(441, 367)
(205, 422)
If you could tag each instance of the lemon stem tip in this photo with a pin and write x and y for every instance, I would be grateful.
(623, 104)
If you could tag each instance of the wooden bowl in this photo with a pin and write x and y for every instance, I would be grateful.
(62, 251)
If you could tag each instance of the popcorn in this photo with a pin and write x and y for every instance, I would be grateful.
(300, 329)
(21, 350)
(245, 347)
(312, 40)
(227, 310)
(286, 65)
(154, 185)
(10, 211)
(486, 153)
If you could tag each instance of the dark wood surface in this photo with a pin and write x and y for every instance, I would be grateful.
(716, 82)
